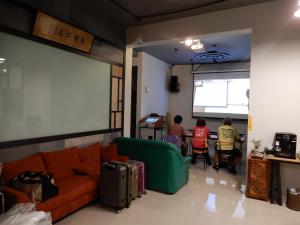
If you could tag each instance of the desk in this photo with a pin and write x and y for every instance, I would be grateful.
(214, 137)
(275, 187)
(155, 129)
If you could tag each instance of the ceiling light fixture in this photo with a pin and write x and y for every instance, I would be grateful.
(297, 13)
(188, 42)
(194, 44)
(197, 46)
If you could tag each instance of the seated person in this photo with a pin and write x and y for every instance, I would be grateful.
(199, 141)
(227, 135)
(178, 130)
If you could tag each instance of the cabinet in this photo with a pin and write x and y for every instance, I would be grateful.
(258, 184)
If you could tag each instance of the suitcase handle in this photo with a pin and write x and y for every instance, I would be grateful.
(114, 163)
(110, 166)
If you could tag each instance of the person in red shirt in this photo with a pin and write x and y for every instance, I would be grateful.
(199, 141)
(178, 130)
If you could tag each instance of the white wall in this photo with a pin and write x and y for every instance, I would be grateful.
(152, 75)
(181, 102)
(275, 65)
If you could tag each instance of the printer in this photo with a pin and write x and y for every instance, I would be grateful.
(285, 145)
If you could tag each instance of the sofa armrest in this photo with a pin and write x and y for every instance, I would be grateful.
(111, 153)
(186, 159)
(18, 196)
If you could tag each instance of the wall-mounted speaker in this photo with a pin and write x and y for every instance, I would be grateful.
(174, 85)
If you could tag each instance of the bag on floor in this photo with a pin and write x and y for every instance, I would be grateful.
(115, 187)
(132, 179)
(133, 170)
(141, 176)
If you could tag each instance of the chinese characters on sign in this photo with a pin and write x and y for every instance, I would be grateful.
(58, 30)
(52, 29)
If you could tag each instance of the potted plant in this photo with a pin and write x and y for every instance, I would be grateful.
(256, 144)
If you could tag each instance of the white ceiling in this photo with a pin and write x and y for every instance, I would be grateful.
(237, 46)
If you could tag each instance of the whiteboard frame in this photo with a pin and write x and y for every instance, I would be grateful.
(37, 140)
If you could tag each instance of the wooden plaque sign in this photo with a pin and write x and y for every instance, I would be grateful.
(55, 30)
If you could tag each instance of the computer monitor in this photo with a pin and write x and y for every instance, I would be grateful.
(152, 119)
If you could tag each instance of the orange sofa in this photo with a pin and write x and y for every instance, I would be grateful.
(76, 172)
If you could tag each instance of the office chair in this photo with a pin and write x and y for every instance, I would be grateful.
(196, 152)
(201, 153)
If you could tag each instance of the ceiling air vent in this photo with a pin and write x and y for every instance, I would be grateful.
(212, 57)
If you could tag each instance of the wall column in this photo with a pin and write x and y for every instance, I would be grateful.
(127, 93)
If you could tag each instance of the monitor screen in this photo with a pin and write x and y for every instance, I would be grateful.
(221, 97)
(152, 119)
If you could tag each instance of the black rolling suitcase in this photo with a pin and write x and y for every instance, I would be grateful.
(115, 188)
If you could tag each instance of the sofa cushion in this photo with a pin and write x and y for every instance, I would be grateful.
(12, 169)
(70, 188)
(90, 158)
(60, 163)
(89, 167)
(91, 151)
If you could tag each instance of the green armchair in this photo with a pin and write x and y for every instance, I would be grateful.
(166, 169)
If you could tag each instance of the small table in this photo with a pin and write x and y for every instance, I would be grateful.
(275, 187)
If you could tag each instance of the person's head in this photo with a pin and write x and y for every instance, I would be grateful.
(178, 119)
(227, 121)
(201, 122)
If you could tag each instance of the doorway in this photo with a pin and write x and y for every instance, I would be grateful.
(133, 101)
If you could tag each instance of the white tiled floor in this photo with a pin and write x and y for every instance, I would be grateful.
(209, 198)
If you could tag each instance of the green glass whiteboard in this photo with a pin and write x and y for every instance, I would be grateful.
(46, 91)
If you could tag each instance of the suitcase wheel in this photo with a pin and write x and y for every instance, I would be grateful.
(139, 195)
(117, 211)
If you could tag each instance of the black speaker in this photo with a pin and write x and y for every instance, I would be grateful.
(174, 85)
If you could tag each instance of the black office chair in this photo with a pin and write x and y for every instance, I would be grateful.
(200, 153)
(225, 158)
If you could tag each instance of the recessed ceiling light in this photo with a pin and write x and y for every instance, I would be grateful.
(188, 42)
(4, 70)
(198, 46)
(2, 59)
(297, 13)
